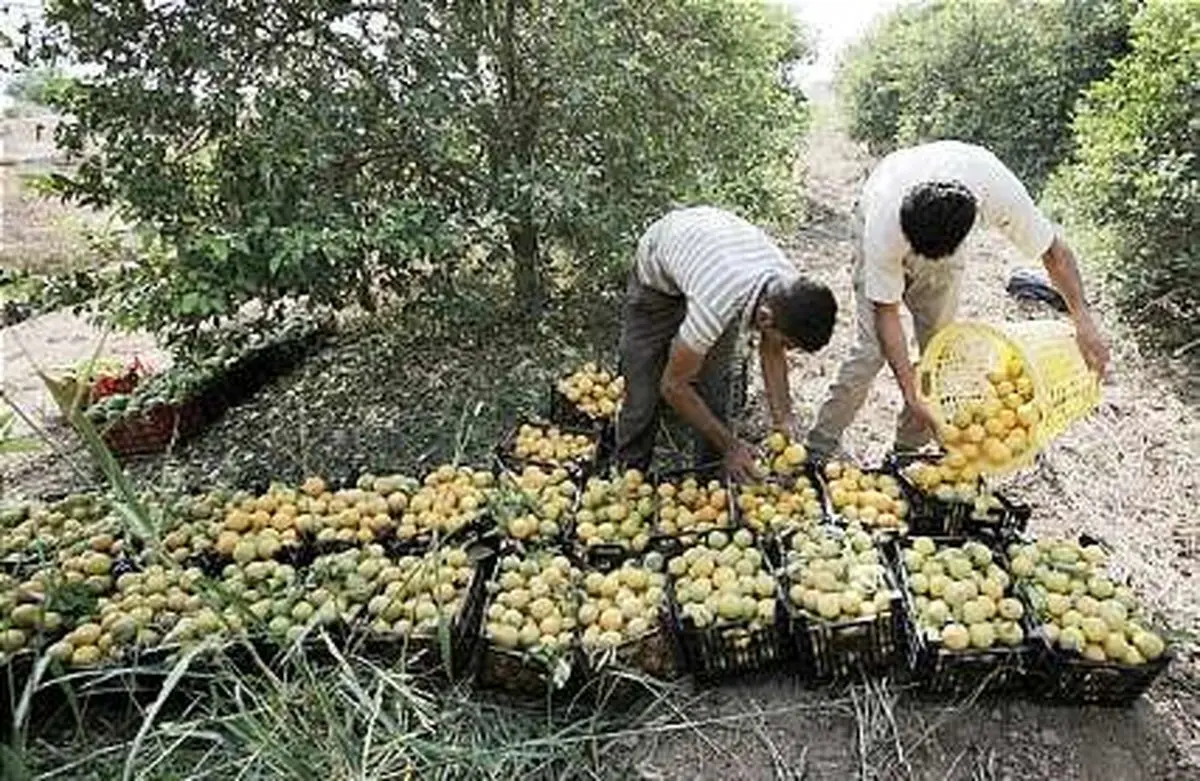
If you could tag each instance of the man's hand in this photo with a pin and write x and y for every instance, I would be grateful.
(921, 413)
(739, 463)
(789, 427)
(1092, 345)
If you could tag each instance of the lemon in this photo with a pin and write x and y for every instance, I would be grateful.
(829, 605)
(1148, 644)
(956, 637)
(1071, 638)
(982, 635)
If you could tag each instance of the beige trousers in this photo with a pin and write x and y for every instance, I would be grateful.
(931, 291)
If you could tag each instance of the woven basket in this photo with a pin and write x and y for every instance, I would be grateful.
(954, 367)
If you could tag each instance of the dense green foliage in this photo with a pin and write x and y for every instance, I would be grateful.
(333, 149)
(1001, 73)
(1137, 168)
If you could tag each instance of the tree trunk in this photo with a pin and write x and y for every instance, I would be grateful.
(527, 272)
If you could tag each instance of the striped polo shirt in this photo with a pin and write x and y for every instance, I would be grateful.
(717, 261)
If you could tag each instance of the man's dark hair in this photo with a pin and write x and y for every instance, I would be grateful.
(936, 217)
(804, 312)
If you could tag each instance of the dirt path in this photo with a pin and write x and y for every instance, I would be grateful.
(1130, 474)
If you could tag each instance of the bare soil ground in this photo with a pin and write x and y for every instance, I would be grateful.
(1130, 474)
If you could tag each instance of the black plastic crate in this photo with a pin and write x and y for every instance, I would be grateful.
(929, 515)
(527, 675)
(703, 474)
(578, 469)
(654, 652)
(971, 671)
(1066, 677)
(714, 653)
(787, 483)
(522, 672)
(844, 650)
(427, 653)
(836, 517)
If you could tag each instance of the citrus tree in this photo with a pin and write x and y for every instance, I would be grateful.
(1136, 171)
(330, 149)
(1001, 73)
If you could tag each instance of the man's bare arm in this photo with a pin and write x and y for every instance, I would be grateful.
(894, 345)
(1060, 264)
(773, 358)
(678, 388)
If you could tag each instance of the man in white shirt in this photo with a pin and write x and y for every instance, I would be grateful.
(703, 275)
(916, 209)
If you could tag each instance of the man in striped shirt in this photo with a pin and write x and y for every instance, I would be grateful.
(703, 275)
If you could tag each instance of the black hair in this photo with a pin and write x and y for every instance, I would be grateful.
(804, 312)
(936, 217)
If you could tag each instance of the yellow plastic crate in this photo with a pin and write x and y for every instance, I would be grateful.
(954, 367)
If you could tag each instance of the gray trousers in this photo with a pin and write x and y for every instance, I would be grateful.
(931, 291)
(651, 319)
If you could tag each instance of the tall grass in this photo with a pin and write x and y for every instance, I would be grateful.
(325, 712)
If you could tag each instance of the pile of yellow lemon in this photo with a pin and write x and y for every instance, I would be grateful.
(595, 391)
(836, 574)
(962, 595)
(534, 605)
(723, 581)
(989, 435)
(448, 500)
(779, 508)
(1080, 608)
(547, 499)
(417, 594)
(690, 507)
(551, 445)
(874, 500)
(621, 605)
(616, 512)
(786, 458)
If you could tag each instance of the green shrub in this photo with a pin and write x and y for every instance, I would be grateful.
(1001, 73)
(1136, 172)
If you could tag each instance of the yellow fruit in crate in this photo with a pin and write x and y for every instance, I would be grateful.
(795, 454)
(949, 434)
(1016, 368)
(776, 442)
(975, 433)
(997, 452)
(1024, 386)
(956, 637)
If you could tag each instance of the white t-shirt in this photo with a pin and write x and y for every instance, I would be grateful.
(1001, 202)
(719, 262)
